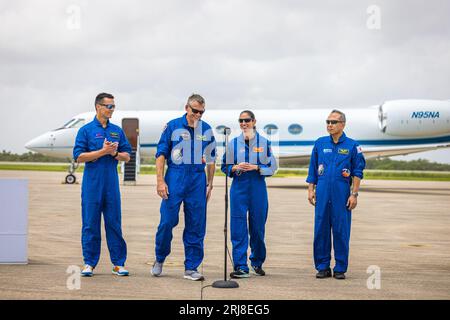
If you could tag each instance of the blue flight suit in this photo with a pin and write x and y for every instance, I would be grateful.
(331, 169)
(187, 151)
(100, 193)
(248, 194)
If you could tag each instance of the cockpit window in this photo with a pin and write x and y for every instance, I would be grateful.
(73, 123)
(77, 124)
(68, 123)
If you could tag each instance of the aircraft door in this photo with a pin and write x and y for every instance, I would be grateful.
(130, 127)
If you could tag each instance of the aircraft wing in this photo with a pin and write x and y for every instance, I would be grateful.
(388, 151)
(294, 159)
(302, 158)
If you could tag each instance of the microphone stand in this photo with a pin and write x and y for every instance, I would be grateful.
(225, 283)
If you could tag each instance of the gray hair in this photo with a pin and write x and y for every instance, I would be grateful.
(342, 115)
(196, 97)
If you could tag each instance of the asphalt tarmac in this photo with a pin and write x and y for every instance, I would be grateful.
(399, 246)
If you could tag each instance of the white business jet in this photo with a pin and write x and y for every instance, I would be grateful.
(397, 127)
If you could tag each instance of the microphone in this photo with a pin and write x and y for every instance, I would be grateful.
(225, 283)
(226, 130)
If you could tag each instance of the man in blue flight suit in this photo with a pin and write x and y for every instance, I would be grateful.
(101, 144)
(335, 171)
(248, 160)
(188, 145)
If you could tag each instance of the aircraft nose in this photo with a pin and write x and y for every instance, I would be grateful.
(43, 141)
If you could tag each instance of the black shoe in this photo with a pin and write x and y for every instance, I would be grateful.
(239, 273)
(339, 275)
(322, 274)
(258, 271)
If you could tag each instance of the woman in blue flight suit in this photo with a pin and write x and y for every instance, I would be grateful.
(248, 160)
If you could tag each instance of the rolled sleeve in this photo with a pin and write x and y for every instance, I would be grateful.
(210, 151)
(227, 169)
(164, 144)
(358, 162)
(124, 145)
(312, 172)
(270, 168)
(81, 144)
(268, 171)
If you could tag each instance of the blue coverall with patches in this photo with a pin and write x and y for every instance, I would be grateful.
(100, 193)
(331, 169)
(187, 151)
(248, 198)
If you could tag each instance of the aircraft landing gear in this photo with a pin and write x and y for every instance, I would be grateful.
(70, 178)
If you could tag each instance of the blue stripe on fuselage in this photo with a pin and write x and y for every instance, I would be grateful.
(386, 142)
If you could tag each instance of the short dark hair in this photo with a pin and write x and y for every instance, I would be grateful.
(196, 97)
(340, 113)
(99, 98)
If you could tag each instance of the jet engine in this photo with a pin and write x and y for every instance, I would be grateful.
(415, 118)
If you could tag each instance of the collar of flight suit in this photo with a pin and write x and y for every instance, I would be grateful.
(341, 138)
(252, 142)
(186, 124)
(98, 124)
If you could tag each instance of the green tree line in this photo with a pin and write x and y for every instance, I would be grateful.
(419, 165)
(29, 157)
(375, 164)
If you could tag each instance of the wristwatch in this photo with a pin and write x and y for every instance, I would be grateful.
(116, 154)
(355, 194)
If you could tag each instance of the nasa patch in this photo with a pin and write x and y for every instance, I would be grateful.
(345, 173)
(176, 155)
(320, 169)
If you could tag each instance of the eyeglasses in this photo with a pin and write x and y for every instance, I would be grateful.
(333, 121)
(246, 120)
(195, 111)
(108, 106)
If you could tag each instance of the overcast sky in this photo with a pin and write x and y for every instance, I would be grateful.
(56, 55)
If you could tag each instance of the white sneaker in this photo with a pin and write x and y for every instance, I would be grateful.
(120, 271)
(157, 269)
(193, 275)
(88, 271)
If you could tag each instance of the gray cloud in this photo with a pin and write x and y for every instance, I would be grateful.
(262, 54)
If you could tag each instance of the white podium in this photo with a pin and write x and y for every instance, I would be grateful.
(13, 221)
